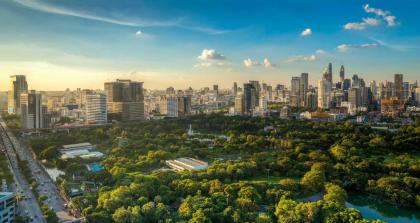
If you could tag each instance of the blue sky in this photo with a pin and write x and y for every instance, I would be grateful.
(80, 43)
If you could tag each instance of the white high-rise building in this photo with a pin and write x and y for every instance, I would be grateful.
(96, 109)
(324, 94)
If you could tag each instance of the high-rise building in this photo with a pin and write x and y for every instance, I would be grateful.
(125, 99)
(235, 89)
(398, 85)
(355, 82)
(7, 207)
(311, 100)
(250, 98)
(257, 89)
(239, 104)
(354, 97)
(303, 87)
(17, 86)
(342, 74)
(169, 106)
(346, 84)
(96, 109)
(324, 94)
(82, 97)
(216, 88)
(31, 110)
(327, 74)
(295, 93)
(406, 90)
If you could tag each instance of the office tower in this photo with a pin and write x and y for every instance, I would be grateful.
(327, 74)
(269, 93)
(311, 100)
(216, 88)
(295, 94)
(389, 89)
(346, 84)
(250, 98)
(342, 74)
(82, 97)
(169, 106)
(381, 91)
(239, 104)
(7, 207)
(126, 99)
(31, 110)
(417, 94)
(257, 90)
(184, 105)
(17, 86)
(303, 88)
(373, 88)
(355, 82)
(336, 97)
(406, 90)
(170, 90)
(398, 85)
(96, 109)
(262, 104)
(235, 89)
(324, 93)
(354, 97)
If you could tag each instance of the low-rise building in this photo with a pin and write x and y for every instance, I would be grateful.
(82, 150)
(7, 207)
(187, 164)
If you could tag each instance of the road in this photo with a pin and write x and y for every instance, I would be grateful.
(46, 186)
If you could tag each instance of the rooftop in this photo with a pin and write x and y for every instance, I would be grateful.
(84, 144)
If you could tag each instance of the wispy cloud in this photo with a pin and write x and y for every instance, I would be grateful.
(132, 22)
(210, 64)
(301, 58)
(267, 63)
(381, 15)
(393, 46)
(306, 58)
(347, 47)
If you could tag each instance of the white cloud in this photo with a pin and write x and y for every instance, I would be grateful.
(347, 47)
(211, 54)
(381, 15)
(390, 20)
(306, 32)
(251, 63)
(138, 33)
(301, 58)
(320, 52)
(267, 63)
(362, 25)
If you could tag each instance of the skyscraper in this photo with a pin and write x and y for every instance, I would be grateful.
(327, 74)
(235, 89)
(96, 109)
(295, 93)
(303, 87)
(257, 89)
(17, 86)
(324, 94)
(31, 110)
(398, 85)
(342, 74)
(250, 98)
(354, 97)
(125, 99)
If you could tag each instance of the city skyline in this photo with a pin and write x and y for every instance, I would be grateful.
(84, 44)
